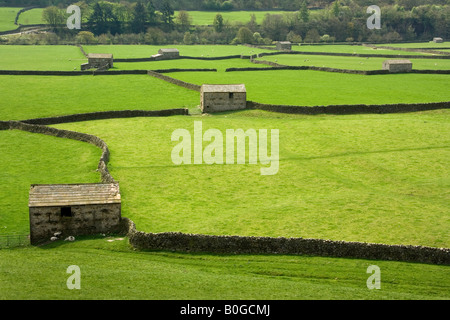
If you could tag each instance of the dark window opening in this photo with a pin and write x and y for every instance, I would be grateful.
(66, 211)
(230, 95)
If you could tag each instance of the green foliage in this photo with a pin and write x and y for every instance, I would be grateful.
(218, 23)
(140, 18)
(244, 35)
(53, 16)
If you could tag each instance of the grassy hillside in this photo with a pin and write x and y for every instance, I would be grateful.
(369, 177)
(356, 178)
(310, 88)
(7, 18)
(67, 95)
(112, 271)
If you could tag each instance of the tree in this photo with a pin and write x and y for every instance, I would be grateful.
(53, 16)
(184, 20)
(102, 20)
(335, 9)
(85, 37)
(245, 35)
(304, 12)
(167, 13)
(293, 37)
(218, 23)
(312, 36)
(140, 18)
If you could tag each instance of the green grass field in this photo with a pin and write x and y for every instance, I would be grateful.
(207, 17)
(354, 63)
(353, 49)
(146, 51)
(339, 178)
(219, 65)
(310, 88)
(67, 95)
(30, 158)
(63, 58)
(429, 44)
(112, 271)
(369, 177)
(33, 16)
(7, 17)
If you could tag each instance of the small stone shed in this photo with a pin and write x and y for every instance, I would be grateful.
(438, 40)
(223, 97)
(73, 209)
(167, 54)
(100, 61)
(397, 65)
(284, 45)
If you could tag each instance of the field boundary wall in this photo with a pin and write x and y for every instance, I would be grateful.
(200, 243)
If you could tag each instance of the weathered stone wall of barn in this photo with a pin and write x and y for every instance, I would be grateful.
(397, 67)
(221, 101)
(85, 220)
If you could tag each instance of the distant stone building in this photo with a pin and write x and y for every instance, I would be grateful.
(217, 98)
(284, 46)
(438, 40)
(73, 209)
(99, 61)
(167, 54)
(397, 65)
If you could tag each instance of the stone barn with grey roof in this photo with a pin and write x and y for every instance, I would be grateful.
(73, 209)
(167, 54)
(397, 65)
(99, 61)
(284, 46)
(224, 97)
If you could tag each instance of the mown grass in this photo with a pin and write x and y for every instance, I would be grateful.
(110, 270)
(310, 88)
(7, 18)
(353, 63)
(62, 58)
(25, 97)
(356, 178)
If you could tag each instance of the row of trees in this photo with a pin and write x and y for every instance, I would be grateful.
(343, 20)
(224, 5)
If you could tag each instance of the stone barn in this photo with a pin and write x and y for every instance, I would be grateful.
(284, 46)
(438, 40)
(99, 61)
(73, 209)
(397, 65)
(167, 54)
(217, 98)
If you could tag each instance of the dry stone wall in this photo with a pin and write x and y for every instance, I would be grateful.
(175, 241)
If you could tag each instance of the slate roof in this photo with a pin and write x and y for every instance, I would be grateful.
(223, 88)
(57, 195)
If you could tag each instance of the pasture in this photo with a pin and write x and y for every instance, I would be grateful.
(381, 178)
(7, 18)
